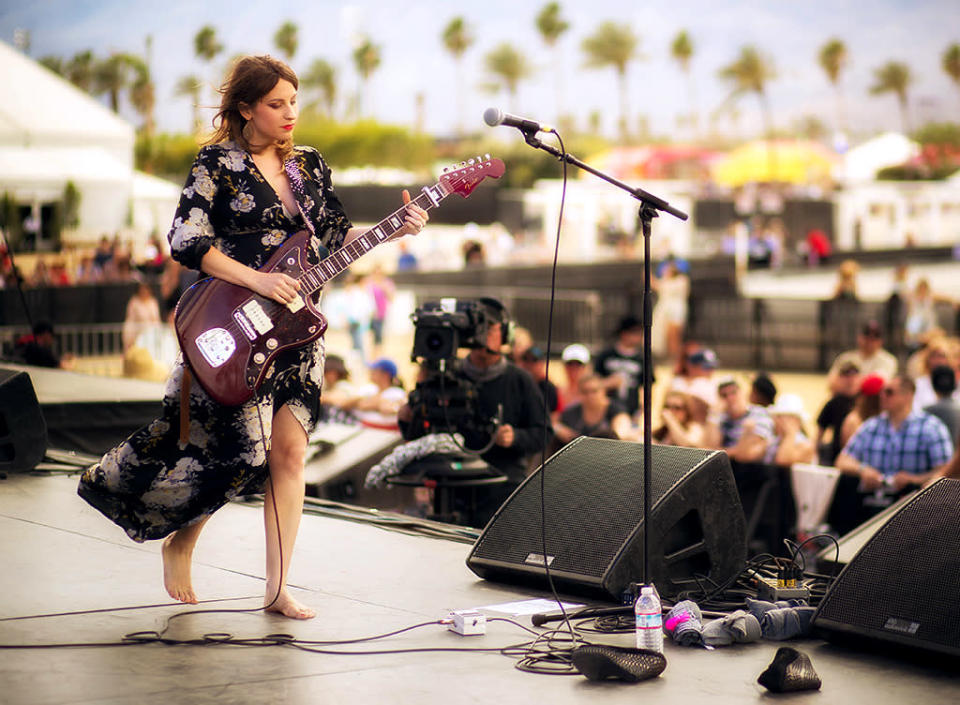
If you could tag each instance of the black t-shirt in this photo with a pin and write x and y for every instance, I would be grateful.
(831, 416)
(611, 361)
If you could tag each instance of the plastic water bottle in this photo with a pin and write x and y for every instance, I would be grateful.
(649, 620)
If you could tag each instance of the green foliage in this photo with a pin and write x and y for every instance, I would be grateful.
(550, 23)
(942, 133)
(916, 172)
(167, 156)
(71, 205)
(367, 142)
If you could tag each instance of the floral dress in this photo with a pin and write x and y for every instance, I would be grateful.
(153, 484)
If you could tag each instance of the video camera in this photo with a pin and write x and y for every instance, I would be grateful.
(444, 327)
(444, 400)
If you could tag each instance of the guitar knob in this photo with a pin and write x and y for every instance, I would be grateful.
(272, 343)
(312, 329)
(291, 261)
(259, 358)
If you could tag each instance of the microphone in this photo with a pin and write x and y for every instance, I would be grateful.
(495, 116)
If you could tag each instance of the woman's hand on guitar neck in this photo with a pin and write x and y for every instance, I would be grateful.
(415, 219)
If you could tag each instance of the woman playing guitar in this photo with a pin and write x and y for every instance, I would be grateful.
(239, 205)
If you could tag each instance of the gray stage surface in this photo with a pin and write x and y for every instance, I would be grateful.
(59, 555)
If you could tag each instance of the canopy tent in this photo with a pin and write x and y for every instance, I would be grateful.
(861, 163)
(783, 161)
(52, 134)
(671, 161)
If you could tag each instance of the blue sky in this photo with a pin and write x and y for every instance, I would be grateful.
(914, 31)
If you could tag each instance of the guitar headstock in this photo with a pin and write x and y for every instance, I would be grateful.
(470, 173)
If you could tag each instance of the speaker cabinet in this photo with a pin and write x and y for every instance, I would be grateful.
(23, 431)
(593, 494)
(903, 587)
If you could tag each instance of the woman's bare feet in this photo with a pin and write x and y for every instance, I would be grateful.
(287, 606)
(177, 555)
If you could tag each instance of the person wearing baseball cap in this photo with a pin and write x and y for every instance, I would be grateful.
(576, 363)
(869, 355)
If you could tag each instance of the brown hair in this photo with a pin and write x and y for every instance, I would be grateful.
(250, 79)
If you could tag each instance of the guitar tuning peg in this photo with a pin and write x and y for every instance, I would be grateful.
(446, 169)
(470, 162)
(487, 157)
(463, 163)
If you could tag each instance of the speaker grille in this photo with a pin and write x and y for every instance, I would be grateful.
(23, 431)
(593, 490)
(903, 585)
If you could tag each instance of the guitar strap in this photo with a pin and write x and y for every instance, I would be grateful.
(296, 183)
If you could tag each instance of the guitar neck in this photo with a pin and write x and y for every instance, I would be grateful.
(316, 277)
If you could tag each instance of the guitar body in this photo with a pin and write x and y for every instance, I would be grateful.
(230, 335)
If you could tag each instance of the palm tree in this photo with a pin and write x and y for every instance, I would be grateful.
(366, 59)
(750, 73)
(110, 76)
(205, 43)
(613, 44)
(457, 38)
(552, 26)
(54, 63)
(322, 76)
(142, 94)
(285, 39)
(681, 51)
(79, 70)
(189, 87)
(833, 60)
(951, 63)
(508, 66)
(894, 77)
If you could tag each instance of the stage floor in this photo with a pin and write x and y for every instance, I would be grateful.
(60, 556)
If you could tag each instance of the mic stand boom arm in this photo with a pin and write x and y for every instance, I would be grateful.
(649, 205)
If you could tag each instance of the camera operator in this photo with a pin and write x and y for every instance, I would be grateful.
(503, 392)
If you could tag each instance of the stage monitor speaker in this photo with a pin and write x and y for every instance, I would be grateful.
(23, 431)
(593, 493)
(901, 588)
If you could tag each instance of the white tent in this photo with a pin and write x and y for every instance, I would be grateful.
(52, 133)
(861, 163)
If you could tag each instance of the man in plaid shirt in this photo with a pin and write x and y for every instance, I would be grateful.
(898, 450)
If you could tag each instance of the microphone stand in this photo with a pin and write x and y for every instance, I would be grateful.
(650, 206)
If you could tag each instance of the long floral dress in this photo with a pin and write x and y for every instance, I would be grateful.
(152, 484)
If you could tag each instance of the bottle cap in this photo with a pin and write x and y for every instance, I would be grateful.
(646, 590)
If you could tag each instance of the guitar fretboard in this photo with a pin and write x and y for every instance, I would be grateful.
(314, 278)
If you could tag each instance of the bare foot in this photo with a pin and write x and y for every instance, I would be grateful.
(176, 570)
(287, 606)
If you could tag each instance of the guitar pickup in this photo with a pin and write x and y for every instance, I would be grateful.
(257, 316)
(296, 304)
(245, 325)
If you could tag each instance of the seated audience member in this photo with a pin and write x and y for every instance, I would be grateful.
(696, 381)
(790, 443)
(829, 438)
(595, 415)
(745, 429)
(377, 404)
(534, 361)
(897, 451)
(37, 348)
(936, 353)
(576, 363)
(865, 406)
(763, 392)
(945, 408)
(869, 355)
(678, 427)
(337, 391)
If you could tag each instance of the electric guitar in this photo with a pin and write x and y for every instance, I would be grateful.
(230, 335)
